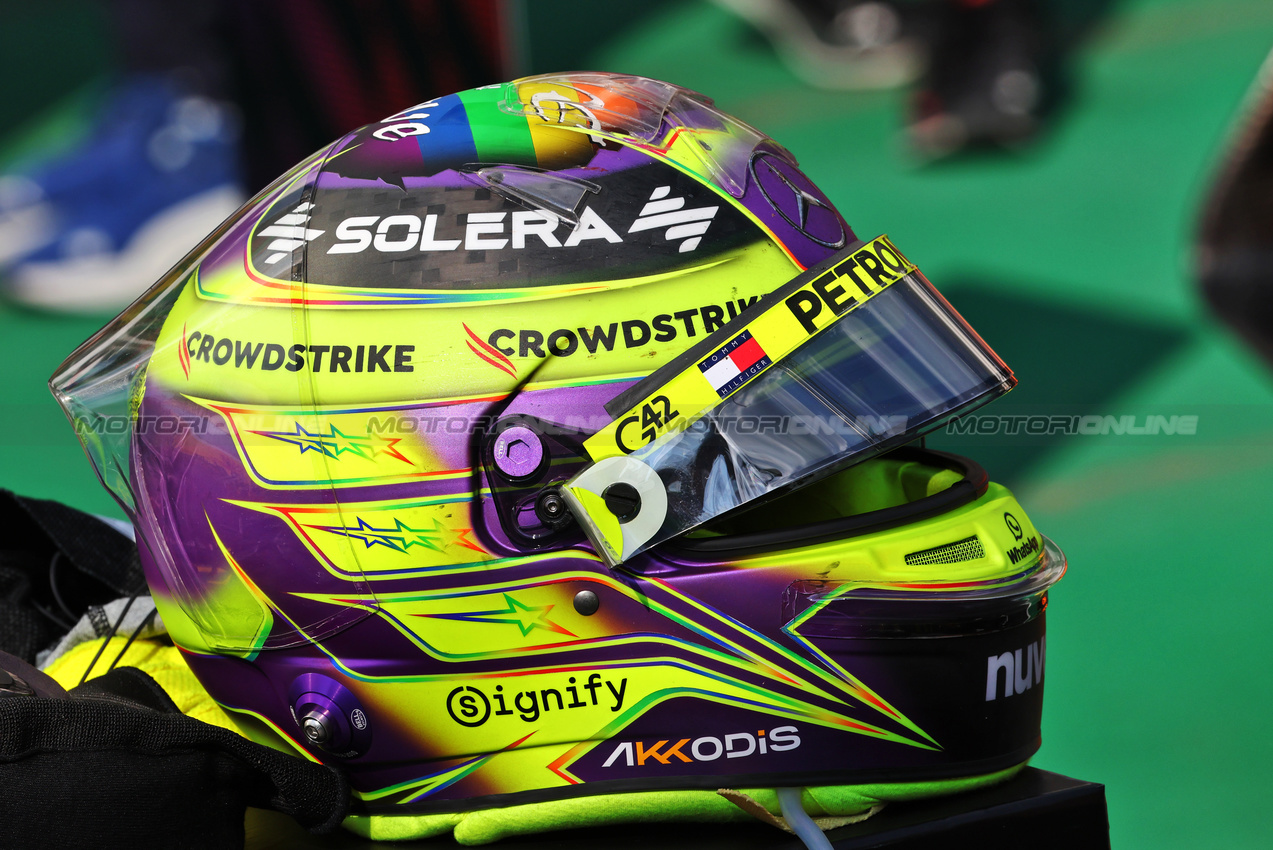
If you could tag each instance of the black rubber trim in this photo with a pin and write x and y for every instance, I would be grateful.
(970, 767)
(957, 495)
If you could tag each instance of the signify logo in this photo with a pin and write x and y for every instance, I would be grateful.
(707, 748)
(472, 706)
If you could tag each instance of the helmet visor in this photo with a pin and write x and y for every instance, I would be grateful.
(896, 363)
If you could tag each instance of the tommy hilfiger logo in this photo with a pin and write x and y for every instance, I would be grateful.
(661, 211)
(734, 364)
(289, 233)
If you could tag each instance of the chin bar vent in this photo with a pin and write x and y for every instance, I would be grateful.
(968, 549)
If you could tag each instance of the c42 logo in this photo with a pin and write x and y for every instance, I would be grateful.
(654, 414)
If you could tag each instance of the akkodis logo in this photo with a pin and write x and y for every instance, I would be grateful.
(706, 748)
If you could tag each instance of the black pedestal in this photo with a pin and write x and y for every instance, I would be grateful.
(1036, 810)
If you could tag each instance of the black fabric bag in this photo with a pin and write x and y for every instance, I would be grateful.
(56, 561)
(114, 764)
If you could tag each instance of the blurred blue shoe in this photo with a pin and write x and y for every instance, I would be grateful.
(93, 229)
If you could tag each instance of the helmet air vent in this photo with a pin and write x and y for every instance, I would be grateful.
(968, 549)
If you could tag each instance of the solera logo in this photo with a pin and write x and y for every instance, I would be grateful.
(706, 748)
(663, 213)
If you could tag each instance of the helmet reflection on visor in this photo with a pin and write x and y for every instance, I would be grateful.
(545, 441)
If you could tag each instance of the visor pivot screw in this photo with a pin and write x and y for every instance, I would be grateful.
(329, 715)
(551, 509)
(587, 603)
(623, 500)
(519, 453)
(315, 726)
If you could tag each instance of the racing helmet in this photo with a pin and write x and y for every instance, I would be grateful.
(556, 440)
